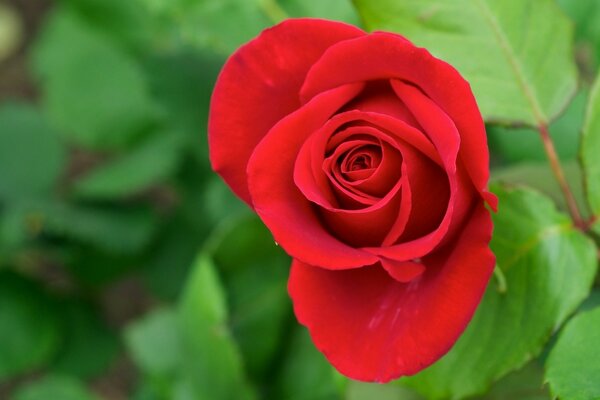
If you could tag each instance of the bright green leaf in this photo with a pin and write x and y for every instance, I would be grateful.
(590, 149)
(501, 47)
(54, 387)
(154, 343)
(92, 90)
(573, 367)
(212, 365)
(88, 347)
(152, 162)
(31, 155)
(29, 327)
(549, 268)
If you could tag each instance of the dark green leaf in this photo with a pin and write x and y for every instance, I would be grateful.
(549, 268)
(54, 387)
(255, 275)
(93, 91)
(29, 328)
(31, 155)
(573, 367)
(89, 346)
(125, 231)
(500, 46)
(306, 374)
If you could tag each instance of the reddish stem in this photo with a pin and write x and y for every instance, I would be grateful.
(560, 177)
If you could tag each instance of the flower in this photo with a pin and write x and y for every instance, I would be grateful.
(366, 157)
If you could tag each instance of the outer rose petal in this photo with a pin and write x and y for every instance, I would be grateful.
(259, 85)
(373, 328)
(287, 213)
(384, 55)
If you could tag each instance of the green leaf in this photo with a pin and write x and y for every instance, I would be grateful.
(123, 230)
(524, 384)
(122, 21)
(255, 274)
(306, 374)
(152, 162)
(184, 93)
(539, 175)
(93, 91)
(223, 25)
(31, 155)
(585, 13)
(54, 387)
(375, 391)
(154, 343)
(590, 148)
(549, 268)
(29, 328)
(573, 366)
(212, 364)
(500, 46)
(514, 145)
(89, 346)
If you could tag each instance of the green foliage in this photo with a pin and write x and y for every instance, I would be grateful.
(93, 91)
(31, 156)
(54, 387)
(517, 145)
(223, 25)
(549, 267)
(29, 326)
(106, 187)
(188, 351)
(573, 367)
(499, 46)
(256, 277)
(151, 162)
(306, 375)
(590, 148)
(88, 346)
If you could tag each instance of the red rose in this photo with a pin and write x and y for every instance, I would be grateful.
(367, 159)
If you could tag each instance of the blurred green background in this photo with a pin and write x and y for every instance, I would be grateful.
(127, 268)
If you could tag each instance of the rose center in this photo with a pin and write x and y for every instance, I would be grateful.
(366, 157)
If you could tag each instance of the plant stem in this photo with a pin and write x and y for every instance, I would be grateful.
(273, 10)
(560, 177)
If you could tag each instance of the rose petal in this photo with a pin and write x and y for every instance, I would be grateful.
(259, 85)
(290, 217)
(384, 55)
(373, 328)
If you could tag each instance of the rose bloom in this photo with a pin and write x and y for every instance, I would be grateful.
(367, 159)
